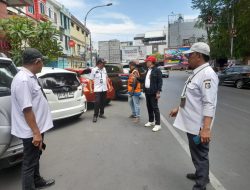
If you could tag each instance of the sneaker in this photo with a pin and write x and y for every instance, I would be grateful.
(136, 120)
(42, 183)
(156, 128)
(149, 124)
(132, 116)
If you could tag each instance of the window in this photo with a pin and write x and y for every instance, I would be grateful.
(82, 32)
(113, 69)
(78, 49)
(237, 69)
(77, 28)
(67, 42)
(7, 73)
(31, 9)
(58, 81)
(72, 24)
(50, 13)
(55, 17)
(42, 8)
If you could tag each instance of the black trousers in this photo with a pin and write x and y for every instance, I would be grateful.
(153, 109)
(100, 101)
(199, 154)
(30, 168)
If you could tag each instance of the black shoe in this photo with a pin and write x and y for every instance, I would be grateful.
(103, 116)
(94, 119)
(193, 177)
(42, 183)
(132, 116)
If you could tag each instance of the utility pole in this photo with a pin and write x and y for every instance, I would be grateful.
(232, 31)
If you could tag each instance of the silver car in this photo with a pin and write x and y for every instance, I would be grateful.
(11, 148)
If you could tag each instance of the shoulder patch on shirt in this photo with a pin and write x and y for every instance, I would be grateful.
(207, 80)
(207, 85)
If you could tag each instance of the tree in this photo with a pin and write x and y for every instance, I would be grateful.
(219, 14)
(21, 32)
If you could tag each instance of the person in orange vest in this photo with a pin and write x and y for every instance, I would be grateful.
(134, 92)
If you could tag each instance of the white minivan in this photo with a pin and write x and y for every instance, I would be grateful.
(11, 148)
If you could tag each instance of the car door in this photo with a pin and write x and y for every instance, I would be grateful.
(227, 76)
(7, 73)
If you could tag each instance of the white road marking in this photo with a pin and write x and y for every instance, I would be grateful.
(213, 180)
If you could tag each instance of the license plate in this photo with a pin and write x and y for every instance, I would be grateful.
(65, 95)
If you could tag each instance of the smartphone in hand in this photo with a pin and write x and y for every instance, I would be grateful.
(197, 139)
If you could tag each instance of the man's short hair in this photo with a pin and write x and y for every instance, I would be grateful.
(205, 57)
(132, 63)
(30, 55)
(100, 60)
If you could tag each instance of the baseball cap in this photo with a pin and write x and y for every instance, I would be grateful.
(151, 58)
(101, 60)
(30, 54)
(199, 47)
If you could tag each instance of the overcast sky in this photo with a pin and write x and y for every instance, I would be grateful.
(125, 18)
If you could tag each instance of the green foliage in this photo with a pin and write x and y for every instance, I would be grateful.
(158, 56)
(219, 34)
(22, 32)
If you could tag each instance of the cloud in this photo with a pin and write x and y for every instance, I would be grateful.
(113, 25)
(73, 3)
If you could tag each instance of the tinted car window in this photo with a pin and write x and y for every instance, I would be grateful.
(7, 73)
(237, 69)
(246, 69)
(112, 69)
(229, 70)
(58, 82)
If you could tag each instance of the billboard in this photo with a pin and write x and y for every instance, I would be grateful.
(133, 52)
(176, 56)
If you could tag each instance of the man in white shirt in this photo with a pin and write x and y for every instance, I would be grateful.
(31, 118)
(99, 77)
(196, 112)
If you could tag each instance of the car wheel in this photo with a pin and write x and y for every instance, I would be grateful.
(239, 84)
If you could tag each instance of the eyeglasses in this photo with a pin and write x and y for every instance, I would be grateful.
(189, 55)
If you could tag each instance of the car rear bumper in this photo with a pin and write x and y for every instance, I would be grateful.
(12, 156)
(69, 112)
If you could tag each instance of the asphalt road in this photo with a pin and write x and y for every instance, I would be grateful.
(115, 154)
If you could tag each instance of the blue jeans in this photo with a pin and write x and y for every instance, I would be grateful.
(134, 102)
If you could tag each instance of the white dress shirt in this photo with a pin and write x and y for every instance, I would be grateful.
(26, 92)
(201, 100)
(99, 76)
(147, 81)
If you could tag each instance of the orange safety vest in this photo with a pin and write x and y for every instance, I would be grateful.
(131, 79)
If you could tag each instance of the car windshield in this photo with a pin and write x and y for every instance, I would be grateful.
(7, 73)
(58, 82)
(113, 69)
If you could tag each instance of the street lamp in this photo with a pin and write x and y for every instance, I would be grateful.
(85, 20)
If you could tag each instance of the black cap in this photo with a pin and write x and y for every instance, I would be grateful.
(30, 55)
(100, 60)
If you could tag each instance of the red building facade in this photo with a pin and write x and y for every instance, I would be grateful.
(37, 10)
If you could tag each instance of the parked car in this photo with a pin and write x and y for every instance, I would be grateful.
(64, 92)
(164, 71)
(11, 148)
(239, 76)
(84, 77)
(118, 77)
(125, 67)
